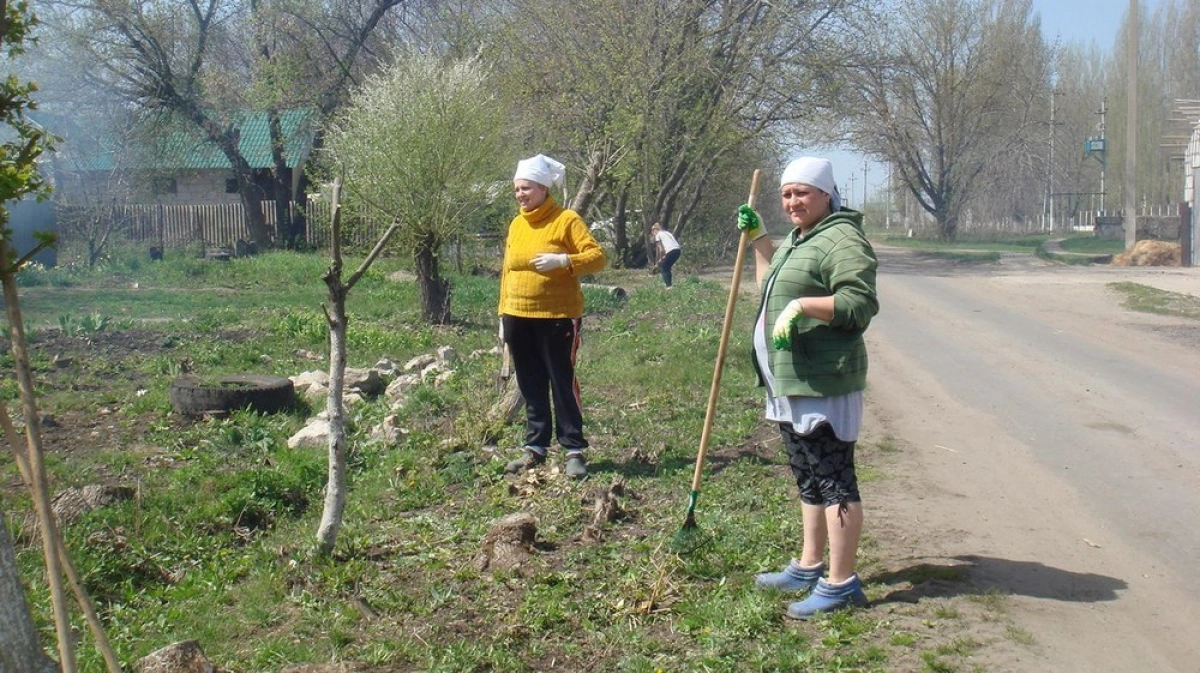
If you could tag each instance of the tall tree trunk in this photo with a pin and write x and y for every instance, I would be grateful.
(435, 290)
(597, 160)
(335, 316)
(339, 292)
(621, 231)
(252, 198)
(335, 485)
(289, 222)
(19, 647)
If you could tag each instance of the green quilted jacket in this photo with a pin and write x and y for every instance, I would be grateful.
(825, 359)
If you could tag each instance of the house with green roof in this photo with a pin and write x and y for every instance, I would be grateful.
(174, 164)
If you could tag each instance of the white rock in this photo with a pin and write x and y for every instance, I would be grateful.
(315, 435)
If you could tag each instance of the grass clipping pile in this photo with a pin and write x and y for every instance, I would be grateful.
(1150, 253)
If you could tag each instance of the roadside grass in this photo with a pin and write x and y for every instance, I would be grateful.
(963, 256)
(998, 243)
(217, 544)
(1148, 299)
(1093, 245)
(1075, 248)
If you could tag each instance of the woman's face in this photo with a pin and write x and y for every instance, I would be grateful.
(529, 194)
(804, 205)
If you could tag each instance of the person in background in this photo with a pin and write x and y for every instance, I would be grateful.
(541, 307)
(666, 251)
(818, 297)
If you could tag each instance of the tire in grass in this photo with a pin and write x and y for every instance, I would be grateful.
(193, 396)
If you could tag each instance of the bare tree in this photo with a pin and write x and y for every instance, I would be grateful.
(953, 89)
(1080, 112)
(660, 98)
(336, 317)
(1168, 70)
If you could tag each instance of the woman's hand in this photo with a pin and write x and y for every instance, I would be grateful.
(781, 334)
(749, 222)
(549, 261)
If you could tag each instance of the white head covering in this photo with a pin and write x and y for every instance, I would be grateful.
(816, 172)
(540, 169)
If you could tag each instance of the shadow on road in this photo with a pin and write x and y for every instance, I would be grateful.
(979, 575)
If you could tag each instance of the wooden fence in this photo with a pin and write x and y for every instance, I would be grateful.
(208, 226)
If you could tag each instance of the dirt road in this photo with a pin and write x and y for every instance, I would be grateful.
(1049, 441)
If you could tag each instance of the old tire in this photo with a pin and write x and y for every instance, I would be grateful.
(192, 396)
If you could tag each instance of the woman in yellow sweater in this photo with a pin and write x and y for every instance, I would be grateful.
(541, 307)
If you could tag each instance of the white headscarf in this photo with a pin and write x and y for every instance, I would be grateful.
(816, 172)
(542, 170)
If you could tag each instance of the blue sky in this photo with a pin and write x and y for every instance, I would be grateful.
(1078, 21)
(1085, 21)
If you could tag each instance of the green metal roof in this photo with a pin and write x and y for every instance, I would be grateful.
(186, 149)
(178, 147)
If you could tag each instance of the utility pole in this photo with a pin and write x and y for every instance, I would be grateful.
(1050, 166)
(1097, 148)
(887, 191)
(864, 201)
(1103, 147)
(1131, 127)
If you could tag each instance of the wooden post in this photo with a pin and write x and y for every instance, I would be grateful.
(1187, 240)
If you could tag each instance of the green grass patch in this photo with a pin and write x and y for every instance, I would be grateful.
(1025, 244)
(964, 256)
(1092, 245)
(1148, 299)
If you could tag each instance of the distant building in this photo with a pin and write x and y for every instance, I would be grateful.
(174, 164)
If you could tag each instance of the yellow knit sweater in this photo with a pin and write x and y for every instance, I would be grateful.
(526, 293)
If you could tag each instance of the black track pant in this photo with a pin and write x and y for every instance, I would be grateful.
(665, 265)
(543, 356)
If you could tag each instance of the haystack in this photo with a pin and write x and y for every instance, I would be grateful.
(1149, 253)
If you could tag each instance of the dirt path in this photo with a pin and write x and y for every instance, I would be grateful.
(1047, 447)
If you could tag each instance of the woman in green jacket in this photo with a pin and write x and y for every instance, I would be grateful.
(818, 297)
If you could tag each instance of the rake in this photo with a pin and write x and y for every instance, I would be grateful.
(690, 536)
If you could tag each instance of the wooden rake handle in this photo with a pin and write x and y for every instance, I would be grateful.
(710, 411)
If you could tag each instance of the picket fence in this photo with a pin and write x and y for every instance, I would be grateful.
(212, 225)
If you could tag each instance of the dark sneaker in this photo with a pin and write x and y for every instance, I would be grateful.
(529, 459)
(576, 465)
(791, 578)
(828, 597)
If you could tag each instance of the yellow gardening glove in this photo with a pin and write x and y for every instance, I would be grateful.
(781, 334)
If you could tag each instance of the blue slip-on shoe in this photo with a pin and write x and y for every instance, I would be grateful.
(791, 578)
(828, 597)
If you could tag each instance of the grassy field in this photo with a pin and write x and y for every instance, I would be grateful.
(217, 544)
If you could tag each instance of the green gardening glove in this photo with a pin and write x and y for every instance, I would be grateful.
(749, 222)
(781, 334)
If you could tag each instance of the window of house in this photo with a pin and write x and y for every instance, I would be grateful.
(231, 185)
(165, 186)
